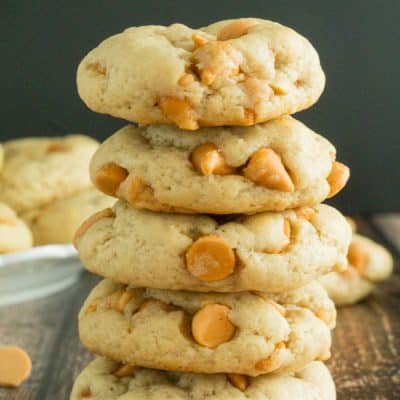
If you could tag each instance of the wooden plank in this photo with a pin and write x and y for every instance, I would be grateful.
(47, 330)
(69, 357)
(366, 343)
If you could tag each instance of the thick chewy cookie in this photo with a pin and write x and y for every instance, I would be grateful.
(104, 379)
(37, 171)
(14, 234)
(270, 251)
(57, 222)
(369, 263)
(249, 333)
(235, 72)
(268, 167)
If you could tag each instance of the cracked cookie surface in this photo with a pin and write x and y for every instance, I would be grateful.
(268, 167)
(37, 171)
(102, 380)
(272, 252)
(233, 72)
(249, 333)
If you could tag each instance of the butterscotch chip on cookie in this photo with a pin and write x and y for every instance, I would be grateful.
(268, 167)
(234, 72)
(369, 264)
(14, 233)
(57, 222)
(250, 333)
(38, 171)
(270, 251)
(98, 381)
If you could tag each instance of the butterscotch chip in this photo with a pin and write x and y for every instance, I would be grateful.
(208, 160)
(186, 79)
(211, 325)
(199, 40)
(307, 213)
(15, 366)
(326, 316)
(157, 303)
(216, 61)
(93, 306)
(358, 255)
(210, 258)
(312, 382)
(109, 177)
(179, 111)
(114, 299)
(56, 147)
(337, 178)
(98, 67)
(106, 213)
(270, 363)
(236, 29)
(8, 221)
(145, 64)
(249, 117)
(124, 370)
(266, 168)
(135, 187)
(240, 382)
(278, 90)
(85, 392)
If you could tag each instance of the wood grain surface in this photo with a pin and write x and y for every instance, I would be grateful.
(365, 359)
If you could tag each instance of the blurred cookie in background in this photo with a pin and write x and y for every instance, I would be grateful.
(369, 264)
(58, 221)
(39, 171)
(14, 234)
(1, 156)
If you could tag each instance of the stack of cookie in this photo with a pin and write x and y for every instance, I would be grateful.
(45, 181)
(212, 254)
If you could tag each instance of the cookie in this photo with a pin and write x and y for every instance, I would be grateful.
(268, 167)
(234, 72)
(14, 234)
(269, 251)
(38, 171)
(249, 333)
(369, 263)
(105, 379)
(58, 221)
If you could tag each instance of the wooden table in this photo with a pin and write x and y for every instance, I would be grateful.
(366, 350)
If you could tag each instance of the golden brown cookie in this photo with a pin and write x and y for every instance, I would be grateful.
(267, 167)
(242, 333)
(234, 72)
(269, 251)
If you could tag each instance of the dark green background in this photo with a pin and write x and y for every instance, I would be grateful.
(42, 42)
